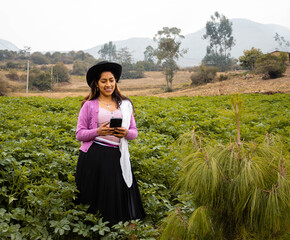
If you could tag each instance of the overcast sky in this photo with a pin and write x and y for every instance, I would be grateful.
(63, 25)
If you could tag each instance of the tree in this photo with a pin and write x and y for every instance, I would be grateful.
(250, 57)
(108, 51)
(39, 58)
(130, 70)
(270, 65)
(282, 42)
(40, 79)
(221, 41)
(149, 54)
(168, 51)
(79, 68)
(60, 72)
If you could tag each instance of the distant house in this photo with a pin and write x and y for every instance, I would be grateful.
(277, 53)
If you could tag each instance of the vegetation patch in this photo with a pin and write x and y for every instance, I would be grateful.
(39, 152)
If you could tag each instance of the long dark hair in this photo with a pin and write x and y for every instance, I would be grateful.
(95, 92)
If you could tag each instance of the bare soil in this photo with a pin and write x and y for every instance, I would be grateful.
(154, 84)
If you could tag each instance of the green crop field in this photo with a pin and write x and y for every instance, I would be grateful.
(38, 157)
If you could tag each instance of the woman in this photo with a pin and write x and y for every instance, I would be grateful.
(104, 176)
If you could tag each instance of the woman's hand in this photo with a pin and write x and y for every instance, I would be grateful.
(120, 132)
(105, 130)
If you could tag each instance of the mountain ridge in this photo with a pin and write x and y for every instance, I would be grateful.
(247, 34)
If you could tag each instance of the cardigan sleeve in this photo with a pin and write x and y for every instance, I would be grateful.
(132, 131)
(85, 132)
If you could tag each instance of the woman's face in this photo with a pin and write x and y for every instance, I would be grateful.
(106, 84)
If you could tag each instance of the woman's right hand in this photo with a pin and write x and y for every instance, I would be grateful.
(105, 130)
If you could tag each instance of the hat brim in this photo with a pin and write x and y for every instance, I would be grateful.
(115, 68)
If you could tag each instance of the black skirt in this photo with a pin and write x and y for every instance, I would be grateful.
(100, 182)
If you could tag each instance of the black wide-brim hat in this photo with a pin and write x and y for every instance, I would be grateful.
(104, 66)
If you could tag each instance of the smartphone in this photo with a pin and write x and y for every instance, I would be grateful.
(115, 122)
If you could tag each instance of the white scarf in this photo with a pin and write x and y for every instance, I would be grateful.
(127, 110)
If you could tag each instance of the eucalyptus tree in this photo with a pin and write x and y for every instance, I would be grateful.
(283, 43)
(149, 54)
(108, 51)
(221, 41)
(168, 51)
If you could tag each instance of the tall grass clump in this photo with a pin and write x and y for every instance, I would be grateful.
(239, 190)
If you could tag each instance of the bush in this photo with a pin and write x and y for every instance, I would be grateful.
(223, 77)
(39, 58)
(79, 68)
(13, 65)
(270, 66)
(39, 79)
(3, 87)
(203, 75)
(12, 75)
(60, 72)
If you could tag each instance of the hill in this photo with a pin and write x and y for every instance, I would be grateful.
(6, 45)
(247, 33)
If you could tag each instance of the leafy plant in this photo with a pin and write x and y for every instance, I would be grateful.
(239, 190)
(38, 157)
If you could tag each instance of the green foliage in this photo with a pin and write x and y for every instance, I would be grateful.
(283, 43)
(270, 66)
(250, 57)
(18, 59)
(216, 60)
(13, 75)
(204, 74)
(149, 54)
(7, 55)
(130, 70)
(3, 87)
(13, 65)
(239, 189)
(60, 72)
(219, 32)
(79, 68)
(108, 52)
(39, 58)
(223, 77)
(38, 157)
(39, 79)
(168, 51)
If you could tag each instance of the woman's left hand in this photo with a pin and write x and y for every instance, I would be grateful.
(120, 132)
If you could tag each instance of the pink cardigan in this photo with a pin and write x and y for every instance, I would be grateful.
(88, 123)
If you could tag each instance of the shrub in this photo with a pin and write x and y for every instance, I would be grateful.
(79, 68)
(60, 72)
(39, 79)
(223, 77)
(249, 58)
(13, 65)
(204, 74)
(12, 75)
(39, 58)
(270, 66)
(3, 87)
